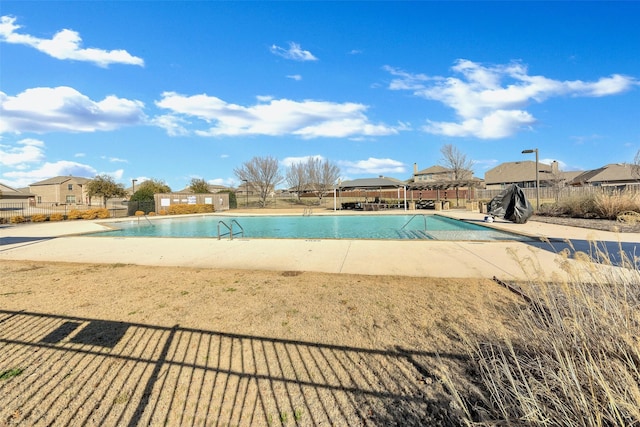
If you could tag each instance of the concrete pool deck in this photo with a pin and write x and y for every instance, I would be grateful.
(64, 242)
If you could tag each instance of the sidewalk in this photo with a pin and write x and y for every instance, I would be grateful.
(63, 242)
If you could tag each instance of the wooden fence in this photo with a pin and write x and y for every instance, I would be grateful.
(554, 194)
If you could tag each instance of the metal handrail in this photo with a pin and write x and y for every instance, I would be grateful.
(411, 219)
(230, 233)
(307, 212)
(230, 228)
(148, 220)
(233, 221)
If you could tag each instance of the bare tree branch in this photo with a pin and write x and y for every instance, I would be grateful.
(297, 178)
(456, 161)
(261, 173)
(322, 176)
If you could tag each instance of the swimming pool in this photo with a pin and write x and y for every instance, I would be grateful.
(381, 227)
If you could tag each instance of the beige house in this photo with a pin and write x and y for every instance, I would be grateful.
(10, 194)
(523, 174)
(432, 174)
(614, 174)
(69, 190)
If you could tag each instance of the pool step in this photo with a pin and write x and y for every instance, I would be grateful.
(414, 234)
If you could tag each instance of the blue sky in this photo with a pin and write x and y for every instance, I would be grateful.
(176, 90)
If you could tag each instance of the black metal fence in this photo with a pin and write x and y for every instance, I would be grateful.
(26, 210)
(145, 206)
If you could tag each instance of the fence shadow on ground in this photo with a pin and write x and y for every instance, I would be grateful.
(82, 371)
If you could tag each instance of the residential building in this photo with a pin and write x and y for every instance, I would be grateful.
(10, 194)
(611, 175)
(522, 173)
(69, 190)
(432, 174)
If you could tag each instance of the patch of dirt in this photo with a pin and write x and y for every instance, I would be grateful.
(134, 345)
(596, 224)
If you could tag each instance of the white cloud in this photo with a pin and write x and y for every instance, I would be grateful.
(116, 175)
(227, 182)
(28, 151)
(295, 52)
(288, 161)
(296, 77)
(490, 100)
(62, 108)
(372, 166)
(497, 124)
(114, 159)
(275, 117)
(80, 155)
(19, 178)
(65, 44)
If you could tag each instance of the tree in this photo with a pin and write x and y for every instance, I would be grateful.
(106, 187)
(297, 178)
(199, 185)
(322, 176)
(456, 161)
(262, 173)
(147, 189)
(155, 185)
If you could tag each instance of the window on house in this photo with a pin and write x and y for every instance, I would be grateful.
(39, 199)
(71, 199)
(70, 187)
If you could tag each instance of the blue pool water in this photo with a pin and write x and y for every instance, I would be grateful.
(429, 227)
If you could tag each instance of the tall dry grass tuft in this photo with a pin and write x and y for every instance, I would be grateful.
(606, 205)
(575, 359)
(609, 205)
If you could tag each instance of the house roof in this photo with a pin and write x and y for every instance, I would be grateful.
(61, 180)
(510, 172)
(436, 169)
(5, 189)
(10, 192)
(611, 173)
(379, 182)
(444, 184)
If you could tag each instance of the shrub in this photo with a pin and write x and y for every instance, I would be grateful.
(18, 219)
(163, 212)
(103, 213)
(139, 213)
(56, 217)
(90, 214)
(99, 213)
(74, 214)
(609, 205)
(182, 209)
(38, 218)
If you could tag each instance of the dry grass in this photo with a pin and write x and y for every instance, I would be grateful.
(575, 359)
(605, 205)
(122, 345)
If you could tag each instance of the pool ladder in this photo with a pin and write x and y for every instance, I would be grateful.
(229, 228)
(148, 220)
(415, 234)
(307, 212)
(413, 217)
